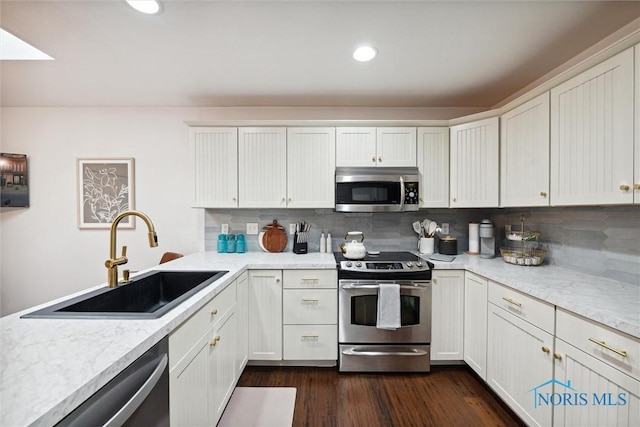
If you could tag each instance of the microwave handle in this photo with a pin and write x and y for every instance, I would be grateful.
(402, 194)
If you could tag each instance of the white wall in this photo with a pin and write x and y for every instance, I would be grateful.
(43, 253)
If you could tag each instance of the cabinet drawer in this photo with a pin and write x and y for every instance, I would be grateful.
(182, 339)
(533, 310)
(310, 306)
(310, 279)
(600, 341)
(310, 342)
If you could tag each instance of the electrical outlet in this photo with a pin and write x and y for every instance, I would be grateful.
(292, 229)
(224, 229)
(445, 228)
(252, 228)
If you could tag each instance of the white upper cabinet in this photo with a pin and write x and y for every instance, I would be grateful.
(592, 135)
(636, 150)
(214, 154)
(524, 154)
(262, 167)
(474, 164)
(396, 146)
(311, 164)
(369, 146)
(433, 162)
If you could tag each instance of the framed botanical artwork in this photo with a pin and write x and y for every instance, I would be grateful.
(105, 190)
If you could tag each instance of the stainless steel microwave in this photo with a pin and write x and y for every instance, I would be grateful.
(371, 189)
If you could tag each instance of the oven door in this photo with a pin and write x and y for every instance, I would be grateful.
(358, 308)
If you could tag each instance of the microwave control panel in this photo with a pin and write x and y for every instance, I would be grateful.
(411, 193)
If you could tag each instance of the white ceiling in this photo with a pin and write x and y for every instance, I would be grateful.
(295, 53)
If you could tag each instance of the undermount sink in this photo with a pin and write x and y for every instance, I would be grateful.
(148, 296)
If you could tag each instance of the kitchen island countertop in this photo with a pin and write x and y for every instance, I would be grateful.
(50, 366)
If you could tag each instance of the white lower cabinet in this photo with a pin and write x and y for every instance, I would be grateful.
(265, 314)
(242, 315)
(519, 358)
(600, 369)
(202, 357)
(447, 314)
(475, 323)
(310, 315)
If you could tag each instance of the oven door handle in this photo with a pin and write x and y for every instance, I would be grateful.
(350, 286)
(384, 353)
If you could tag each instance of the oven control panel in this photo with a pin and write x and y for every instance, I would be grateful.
(384, 266)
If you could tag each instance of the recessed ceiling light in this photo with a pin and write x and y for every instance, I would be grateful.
(13, 48)
(145, 6)
(364, 53)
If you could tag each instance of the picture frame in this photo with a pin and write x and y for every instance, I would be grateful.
(14, 190)
(105, 190)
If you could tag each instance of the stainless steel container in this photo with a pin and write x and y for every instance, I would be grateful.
(448, 245)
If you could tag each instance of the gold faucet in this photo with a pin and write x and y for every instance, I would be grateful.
(112, 263)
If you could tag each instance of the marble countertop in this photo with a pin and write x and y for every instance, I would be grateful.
(50, 366)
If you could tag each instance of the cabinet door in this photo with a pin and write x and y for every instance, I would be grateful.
(519, 358)
(189, 387)
(311, 165)
(223, 364)
(447, 291)
(433, 162)
(524, 154)
(215, 163)
(474, 164)
(636, 149)
(242, 315)
(608, 397)
(262, 167)
(265, 315)
(475, 323)
(592, 135)
(396, 146)
(356, 146)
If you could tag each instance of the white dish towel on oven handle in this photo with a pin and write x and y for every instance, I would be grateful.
(388, 306)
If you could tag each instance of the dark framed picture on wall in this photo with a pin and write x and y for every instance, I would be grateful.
(105, 190)
(14, 192)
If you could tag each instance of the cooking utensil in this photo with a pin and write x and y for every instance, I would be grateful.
(425, 227)
(417, 227)
(274, 239)
(433, 226)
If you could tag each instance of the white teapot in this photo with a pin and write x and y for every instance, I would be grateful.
(352, 248)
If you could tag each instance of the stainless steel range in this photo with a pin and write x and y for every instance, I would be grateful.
(384, 313)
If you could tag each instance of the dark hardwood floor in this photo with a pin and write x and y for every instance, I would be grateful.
(447, 396)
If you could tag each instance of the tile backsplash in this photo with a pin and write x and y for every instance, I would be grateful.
(603, 241)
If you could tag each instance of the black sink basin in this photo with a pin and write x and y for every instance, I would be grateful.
(147, 296)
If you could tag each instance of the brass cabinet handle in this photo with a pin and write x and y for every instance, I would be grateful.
(557, 356)
(214, 341)
(545, 349)
(624, 187)
(622, 353)
(421, 199)
(214, 311)
(308, 281)
(636, 186)
(510, 301)
(435, 281)
(543, 194)
(310, 300)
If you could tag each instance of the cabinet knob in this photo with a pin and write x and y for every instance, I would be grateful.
(545, 349)
(421, 199)
(454, 199)
(290, 199)
(277, 280)
(435, 281)
(636, 186)
(543, 194)
(234, 199)
(214, 312)
(557, 356)
(284, 199)
(380, 159)
(373, 159)
(624, 187)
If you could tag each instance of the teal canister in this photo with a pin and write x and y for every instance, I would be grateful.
(222, 243)
(241, 244)
(231, 244)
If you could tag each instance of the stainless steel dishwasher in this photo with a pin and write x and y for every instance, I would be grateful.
(138, 396)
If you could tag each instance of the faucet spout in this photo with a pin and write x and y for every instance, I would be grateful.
(113, 262)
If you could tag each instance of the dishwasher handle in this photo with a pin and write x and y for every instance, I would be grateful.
(136, 400)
